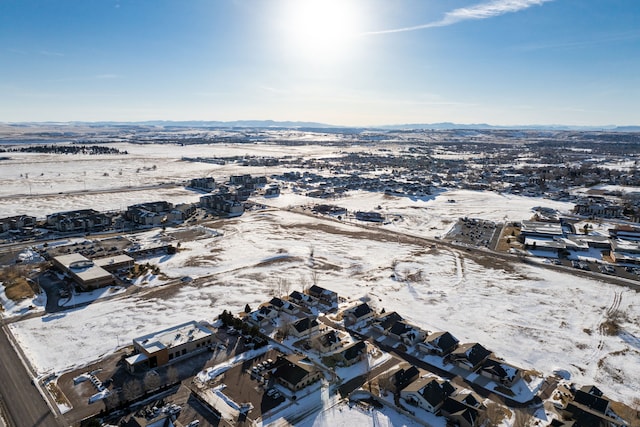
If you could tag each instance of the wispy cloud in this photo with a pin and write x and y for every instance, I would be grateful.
(484, 10)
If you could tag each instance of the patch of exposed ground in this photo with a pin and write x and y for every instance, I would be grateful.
(16, 286)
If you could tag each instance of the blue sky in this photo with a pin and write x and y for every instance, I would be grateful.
(344, 62)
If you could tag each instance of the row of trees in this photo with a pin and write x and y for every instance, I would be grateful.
(135, 389)
(65, 149)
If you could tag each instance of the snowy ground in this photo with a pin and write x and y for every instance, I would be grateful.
(346, 416)
(429, 216)
(12, 308)
(533, 317)
(30, 182)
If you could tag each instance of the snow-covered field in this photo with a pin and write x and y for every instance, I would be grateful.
(430, 216)
(33, 177)
(531, 316)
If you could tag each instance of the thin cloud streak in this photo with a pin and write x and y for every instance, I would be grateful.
(479, 11)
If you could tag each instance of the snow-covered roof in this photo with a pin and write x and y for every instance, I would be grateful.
(172, 337)
(116, 259)
(537, 227)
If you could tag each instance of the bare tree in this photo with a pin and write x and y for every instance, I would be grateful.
(112, 400)
(314, 277)
(283, 332)
(492, 415)
(285, 286)
(523, 418)
(304, 283)
(173, 376)
(131, 390)
(151, 381)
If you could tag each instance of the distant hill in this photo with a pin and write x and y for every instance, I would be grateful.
(217, 124)
(480, 126)
(316, 126)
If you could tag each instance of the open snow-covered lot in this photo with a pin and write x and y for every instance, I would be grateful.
(532, 317)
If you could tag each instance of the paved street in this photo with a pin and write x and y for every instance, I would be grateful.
(23, 405)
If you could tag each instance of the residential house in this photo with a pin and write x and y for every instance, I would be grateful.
(369, 216)
(358, 313)
(353, 354)
(407, 333)
(386, 320)
(263, 316)
(428, 393)
(403, 377)
(295, 375)
(590, 407)
(304, 327)
(500, 371)
(240, 179)
(223, 204)
(463, 409)
(328, 342)
(469, 356)
(78, 221)
(284, 306)
(598, 207)
(17, 222)
(153, 213)
(273, 191)
(301, 299)
(440, 343)
(325, 296)
(184, 210)
(207, 183)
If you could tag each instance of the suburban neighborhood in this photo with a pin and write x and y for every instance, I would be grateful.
(297, 347)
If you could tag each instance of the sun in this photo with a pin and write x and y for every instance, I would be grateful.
(323, 30)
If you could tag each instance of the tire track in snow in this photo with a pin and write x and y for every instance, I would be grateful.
(459, 268)
(611, 309)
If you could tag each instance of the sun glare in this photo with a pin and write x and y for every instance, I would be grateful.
(322, 30)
